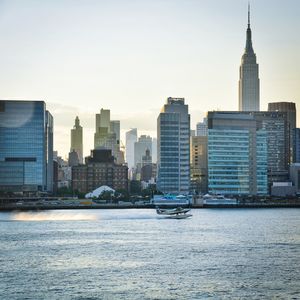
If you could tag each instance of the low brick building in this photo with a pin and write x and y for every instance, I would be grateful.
(99, 169)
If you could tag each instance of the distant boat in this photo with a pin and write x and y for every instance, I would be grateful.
(218, 200)
(175, 213)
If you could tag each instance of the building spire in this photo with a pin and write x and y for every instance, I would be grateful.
(248, 14)
(249, 48)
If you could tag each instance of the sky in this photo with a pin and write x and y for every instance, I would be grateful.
(130, 55)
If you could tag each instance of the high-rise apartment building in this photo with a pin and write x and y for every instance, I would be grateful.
(237, 155)
(249, 77)
(173, 147)
(131, 138)
(76, 140)
(199, 176)
(290, 109)
(26, 146)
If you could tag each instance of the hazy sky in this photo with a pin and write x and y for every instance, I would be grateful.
(129, 56)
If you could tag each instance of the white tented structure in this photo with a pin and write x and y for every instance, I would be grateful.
(98, 191)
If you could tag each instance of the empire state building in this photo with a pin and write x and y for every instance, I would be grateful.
(249, 80)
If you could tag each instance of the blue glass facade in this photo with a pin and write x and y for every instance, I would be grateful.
(168, 176)
(173, 147)
(234, 167)
(26, 146)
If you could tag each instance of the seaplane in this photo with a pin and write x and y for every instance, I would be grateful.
(174, 213)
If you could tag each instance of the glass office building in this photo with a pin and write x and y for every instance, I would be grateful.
(228, 161)
(173, 147)
(237, 155)
(26, 146)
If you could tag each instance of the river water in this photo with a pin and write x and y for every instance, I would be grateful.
(136, 254)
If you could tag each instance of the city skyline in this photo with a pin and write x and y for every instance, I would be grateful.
(178, 50)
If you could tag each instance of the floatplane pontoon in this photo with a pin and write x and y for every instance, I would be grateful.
(174, 213)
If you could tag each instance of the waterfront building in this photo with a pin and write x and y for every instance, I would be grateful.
(99, 169)
(290, 109)
(296, 145)
(76, 140)
(201, 128)
(131, 138)
(173, 147)
(26, 146)
(237, 155)
(276, 128)
(249, 94)
(199, 179)
(144, 142)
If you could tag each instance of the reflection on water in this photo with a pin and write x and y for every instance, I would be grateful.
(52, 216)
(131, 254)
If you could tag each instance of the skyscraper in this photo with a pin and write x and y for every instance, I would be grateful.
(26, 146)
(144, 142)
(199, 163)
(249, 80)
(76, 140)
(173, 147)
(290, 109)
(107, 134)
(131, 138)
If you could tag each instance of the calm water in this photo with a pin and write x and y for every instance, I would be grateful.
(133, 254)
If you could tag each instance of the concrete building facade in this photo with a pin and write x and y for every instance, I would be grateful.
(201, 128)
(199, 172)
(131, 138)
(290, 109)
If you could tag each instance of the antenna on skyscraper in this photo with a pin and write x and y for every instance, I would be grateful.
(248, 14)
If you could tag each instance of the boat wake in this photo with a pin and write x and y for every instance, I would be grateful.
(52, 216)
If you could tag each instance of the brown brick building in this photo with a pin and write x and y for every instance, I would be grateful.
(100, 169)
